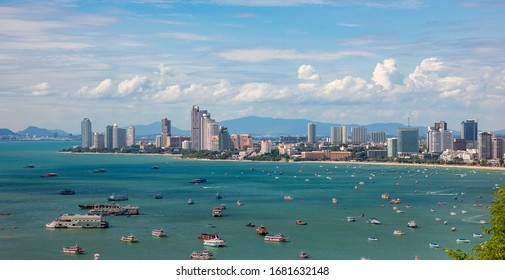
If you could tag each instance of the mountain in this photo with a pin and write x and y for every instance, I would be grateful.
(6, 132)
(42, 132)
(266, 126)
(155, 129)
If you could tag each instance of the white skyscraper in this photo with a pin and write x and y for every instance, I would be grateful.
(86, 135)
(311, 133)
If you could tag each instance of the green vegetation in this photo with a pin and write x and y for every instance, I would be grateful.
(494, 248)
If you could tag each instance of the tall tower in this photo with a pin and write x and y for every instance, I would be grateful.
(165, 131)
(196, 127)
(485, 145)
(108, 137)
(311, 133)
(130, 136)
(87, 137)
(392, 147)
(469, 131)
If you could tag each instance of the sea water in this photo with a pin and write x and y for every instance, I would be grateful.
(427, 193)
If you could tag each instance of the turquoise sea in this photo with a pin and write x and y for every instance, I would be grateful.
(427, 193)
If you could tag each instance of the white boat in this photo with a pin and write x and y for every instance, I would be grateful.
(434, 245)
(412, 224)
(214, 242)
(129, 238)
(158, 233)
(398, 232)
(201, 255)
(78, 221)
(374, 221)
(351, 219)
(462, 240)
(373, 239)
(97, 257)
(477, 235)
(190, 201)
(73, 250)
(276, 238)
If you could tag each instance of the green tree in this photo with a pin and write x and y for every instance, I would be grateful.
(494, 248)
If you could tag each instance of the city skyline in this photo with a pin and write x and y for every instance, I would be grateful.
(327, 61)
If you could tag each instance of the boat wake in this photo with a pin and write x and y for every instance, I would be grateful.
(210, 187)
(474, 219)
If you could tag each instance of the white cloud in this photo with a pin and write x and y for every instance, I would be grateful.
(348, 88)
(135, 85)
(266, 54)
(427, 73)
(187, 36)
(103, 90)
(41, 89)
(307, 72)
(386, 74)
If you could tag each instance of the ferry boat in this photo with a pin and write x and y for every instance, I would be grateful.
(73, 250)
(201, 255)
(197, 181)
(78, 221)
(66, 192)
(214, 242)
(261, 230)
(276, 238)
(351, 219)
(300, 222)
(462, 240)
(114, 197)
(114, 209)
(434, 245)
(398, 232)
(207, 236)
(412, 224)
(217, 212)
(129, 238)
(158, 233)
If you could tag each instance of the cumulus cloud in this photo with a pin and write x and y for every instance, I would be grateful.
(386, 74)
(348, 88)
(427, 74)
(307, 72)
(102, 90)
(41, 89)
(135, 85)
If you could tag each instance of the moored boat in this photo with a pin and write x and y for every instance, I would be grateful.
(434, 245)
(66, 192)
(385, 196)
(373, 239)
(300, 222)
(191, 201)
(398, 232)
(100, 170)
(276, 238)
(206, 236)
(218, 196)
(477, 235)
(197, 181)
(303, 255)
(374, 221)
(249, 225)
(462, 240)
(395, 201)
(158, 196)
(49, 174)
(129, 238)
(201, 255)
(351, 219)
(158, 233)
(261, 230)
(78, 221)
(214, 242)
(288, 197)
(412, 224)
(217, 212)
(73, 250)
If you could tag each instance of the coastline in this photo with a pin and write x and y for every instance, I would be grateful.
(179, 156)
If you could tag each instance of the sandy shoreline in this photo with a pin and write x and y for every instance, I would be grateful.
(491, 168)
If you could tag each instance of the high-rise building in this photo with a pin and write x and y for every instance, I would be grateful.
(118, 137)
(378, 137)
(333, 135)
(130, 136)
(485, 142)
(359, 135)
(311, 133)
(87, 137)
(392, 147)
(245, 141)
(408, 140)
(224, 139)
(196, 127)
(108, 137)
(98, 141)
(266, 147)
(438, 138)
(469, 131)
(165, 131)
(498, 148)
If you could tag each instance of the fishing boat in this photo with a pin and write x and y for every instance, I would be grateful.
(129, 238)
(395, 201)
(155, 167)
(73, 250)
(214, 242)
(334, 200)
(201, 255)
(288, 197)
(239, 203)
(385, 196)
(261, 230)
(158, 233)
(275, 238)
(49, 174)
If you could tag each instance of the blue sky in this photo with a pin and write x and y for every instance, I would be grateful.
(341, 61)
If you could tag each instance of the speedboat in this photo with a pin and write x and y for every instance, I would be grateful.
(434, 245)
(477, 235)
(249, 225)
(261, 230)
(374, 221)
(300, 222)
(190, 201)
(129, 238)
(462, 240)
(214, 242)
(351, 219)
(73, 250)
(303, 255)
(159, 233)
(114, 197)
(197, 181)
(373, 239)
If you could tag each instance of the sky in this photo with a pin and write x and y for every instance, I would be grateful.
(336, 61)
